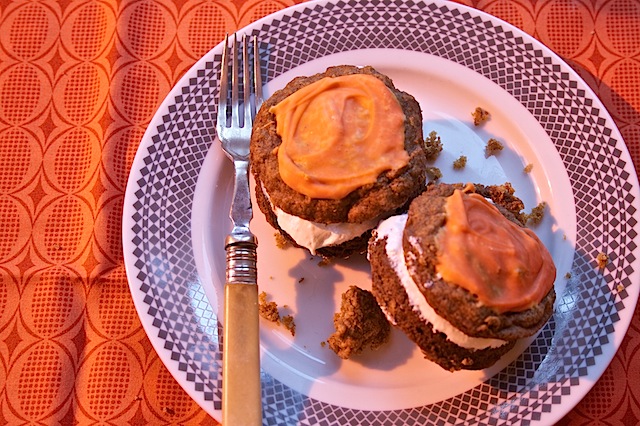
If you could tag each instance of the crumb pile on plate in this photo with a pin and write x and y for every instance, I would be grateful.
(461, 276)
(360, 324)
(333, 154)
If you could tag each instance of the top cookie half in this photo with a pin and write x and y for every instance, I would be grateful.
(392, 189)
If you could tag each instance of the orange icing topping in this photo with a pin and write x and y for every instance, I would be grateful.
(339, 134)
(505, 265)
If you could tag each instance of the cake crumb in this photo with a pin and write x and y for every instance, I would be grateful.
(493, 147)
(602, 260)
(432, 145)
(537, 214)
(480, 115)
(434, 173)
(268, 310)
(567, 275)
(504, 195)
(360, 324)
(323, 343)
(619, 288)
(460, 163)
(281, 241)
(528, 168)
(289, 324)
(325, 262)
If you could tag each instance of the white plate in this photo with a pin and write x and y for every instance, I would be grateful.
(451, 59)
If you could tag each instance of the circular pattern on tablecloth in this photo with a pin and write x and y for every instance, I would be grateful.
(71, 159)
(30, 30)
(26, 93)
(87, 30)
(140, 86)
(94, 377)
(19, 153)
(62, 228)
(626, 103)
(113, 318)
(165, 395)
(562, 24)
(80, 93)
(44, 361)
(147, 28)
(16, 225)
(202, 26)
(48, 317)
(620, 30)
(120, 149)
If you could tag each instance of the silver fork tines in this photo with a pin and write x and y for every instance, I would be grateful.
(235, 120)
(240, 113)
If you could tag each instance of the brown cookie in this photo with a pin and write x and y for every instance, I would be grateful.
(392, 190)
(425, 218)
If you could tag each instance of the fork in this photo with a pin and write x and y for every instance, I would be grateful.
(241, 392)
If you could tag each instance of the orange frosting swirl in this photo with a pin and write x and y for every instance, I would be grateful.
(339, 134)
(504, 264)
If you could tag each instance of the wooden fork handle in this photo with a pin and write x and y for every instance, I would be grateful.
(241, 392)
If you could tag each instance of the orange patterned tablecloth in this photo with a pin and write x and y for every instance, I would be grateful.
(79, 83)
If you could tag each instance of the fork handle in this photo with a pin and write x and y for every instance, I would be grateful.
(241, 391)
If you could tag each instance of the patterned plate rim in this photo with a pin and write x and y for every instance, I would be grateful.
(580, 339)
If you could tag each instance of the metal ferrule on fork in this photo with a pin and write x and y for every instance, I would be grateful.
(241, 263)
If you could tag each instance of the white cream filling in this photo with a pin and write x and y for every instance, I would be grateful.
(392, 228)
(314, 235)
